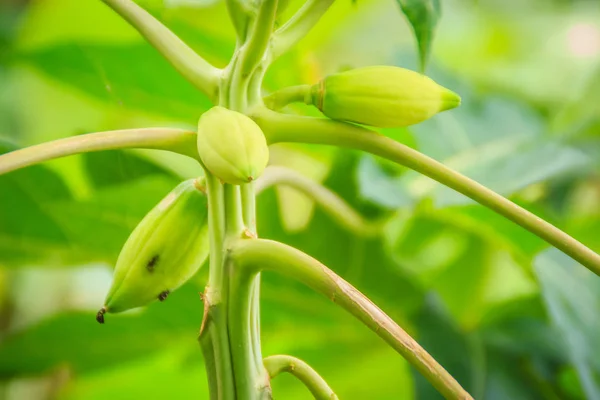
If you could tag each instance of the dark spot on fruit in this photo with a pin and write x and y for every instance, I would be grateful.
(152, 263)
(100, 315)
(163, 295)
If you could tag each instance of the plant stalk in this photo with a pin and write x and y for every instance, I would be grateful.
(214, 334)
(275, 365)
(249, 256)
(336, 207)
(185, 60)
(291, 128)
(176, 140)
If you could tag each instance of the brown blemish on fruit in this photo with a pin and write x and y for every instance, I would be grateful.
(163, 295)
(152, 263)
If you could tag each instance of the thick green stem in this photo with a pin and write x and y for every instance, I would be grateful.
(255, 84)
(239, 15)
(252, 381)
(249, 211)
(244, 307)
(301, 370)
(289, 128)
(255, 48)
(249, 206)
(299, 25)
(233, 211)
(293, 94)
(252, 56)
(249, 256)
(216, 222)
(185, 60)
(214, 335)
(176, 140)
(332, 204)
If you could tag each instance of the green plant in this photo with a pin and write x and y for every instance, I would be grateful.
(229, 335)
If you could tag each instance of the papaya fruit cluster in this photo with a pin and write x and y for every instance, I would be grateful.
(171, 242)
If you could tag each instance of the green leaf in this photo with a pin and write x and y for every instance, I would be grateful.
(28, 231)
(451, 347)
(465, 266)
(572, 297)
(78, 341)
(133, 76)
(175, 373)
(499, 144)
(109, 168)
(423, 16)
(100, 225)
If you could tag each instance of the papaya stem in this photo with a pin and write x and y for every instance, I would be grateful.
(301, 370)
(186, 61)
(249, 256)
(255, 47)
(337, 208)
(176, 140)
(291, 128)
(214, 335)
(298, 26)
(251, 379)
(293, 94)
(240, 16)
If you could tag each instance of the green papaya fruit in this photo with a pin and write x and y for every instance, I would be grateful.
(164, 250)
(231, 146)
(381, 96)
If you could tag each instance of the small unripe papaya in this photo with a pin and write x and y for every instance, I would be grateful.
(164, 250)
(231, 146)
(381, 96)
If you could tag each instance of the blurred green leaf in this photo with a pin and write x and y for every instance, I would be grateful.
(177, 373)
(81, 344)
(423, 16)
(133, 77)
(364, 263)
(459, 261)
(452, 348)
(511, 378)
(506, 157)
(28, 231)
(572, 296)
(100, 225)
(581, 111)
(109, 168)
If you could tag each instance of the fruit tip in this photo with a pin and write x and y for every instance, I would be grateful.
(450, 100)
(100, 315)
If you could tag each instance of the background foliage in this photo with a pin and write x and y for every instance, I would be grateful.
(508, 317)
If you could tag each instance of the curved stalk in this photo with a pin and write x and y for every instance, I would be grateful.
(176, 140)
(239, 16)
(249, 256)
(293, 94)
(290, 128)
(299, 25)
(301, 370)
(340, 211)
(258, 40)
(185, 60)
